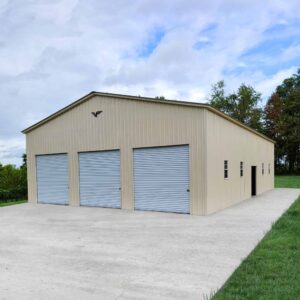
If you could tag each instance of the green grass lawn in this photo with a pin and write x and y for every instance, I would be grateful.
(12, 202)
(272, 270)
(287, 182)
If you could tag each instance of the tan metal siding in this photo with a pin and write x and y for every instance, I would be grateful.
(124, 125)
(226, 141)
(127, 124)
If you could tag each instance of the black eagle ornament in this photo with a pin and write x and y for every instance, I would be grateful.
(95, 114)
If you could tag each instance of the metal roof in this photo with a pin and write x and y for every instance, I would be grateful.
(147, 99)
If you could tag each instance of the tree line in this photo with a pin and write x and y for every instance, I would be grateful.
(279, 119)
(13, 182)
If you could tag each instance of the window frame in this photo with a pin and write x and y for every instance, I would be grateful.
(241, 169)
(226, 171)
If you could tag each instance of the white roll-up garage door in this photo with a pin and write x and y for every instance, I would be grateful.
(161, 179)
(99, 175)
(52, 179)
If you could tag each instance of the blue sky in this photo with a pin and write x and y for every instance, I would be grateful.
(54, 52)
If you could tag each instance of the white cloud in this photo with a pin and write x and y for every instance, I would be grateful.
(267, 85)
(11, 150)
(52, 52)
(291, 53)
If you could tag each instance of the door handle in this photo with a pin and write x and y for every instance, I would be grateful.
(188, 190)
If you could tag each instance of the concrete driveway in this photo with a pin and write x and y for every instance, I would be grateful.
(57, 252)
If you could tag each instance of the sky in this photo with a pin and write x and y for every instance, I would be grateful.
(53, 52)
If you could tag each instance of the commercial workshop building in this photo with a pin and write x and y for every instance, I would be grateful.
(117, 151)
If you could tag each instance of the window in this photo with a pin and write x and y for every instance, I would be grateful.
(225, 168)
(241, 169)
(263, 168)
(269, 168)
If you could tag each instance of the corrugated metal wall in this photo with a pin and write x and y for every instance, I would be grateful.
(128, 124)
(161, 179)
(225, 141)
(124, 125)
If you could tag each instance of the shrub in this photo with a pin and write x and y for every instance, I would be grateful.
(13, 183)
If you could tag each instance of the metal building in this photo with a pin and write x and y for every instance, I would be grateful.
(117, 151)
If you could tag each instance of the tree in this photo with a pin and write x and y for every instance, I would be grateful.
(282, 123)
(241, 105)
(23, 175)
(218, 99)
(24, 158)
(13, 181)
(160, 98)
(274, 127)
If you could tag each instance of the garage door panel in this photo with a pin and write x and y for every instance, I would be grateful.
(161, 179)
(100, 179)
(52, 179)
